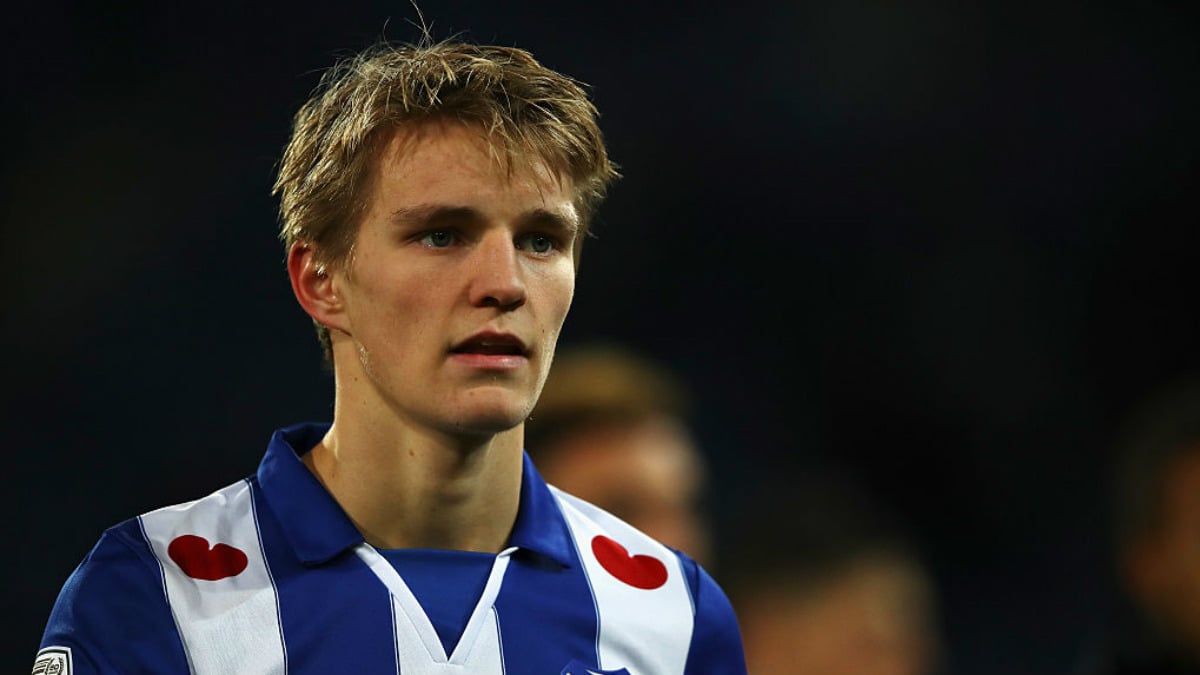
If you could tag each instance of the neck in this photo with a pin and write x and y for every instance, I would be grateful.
(405, 487)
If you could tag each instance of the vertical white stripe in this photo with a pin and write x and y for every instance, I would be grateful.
(228, 625)
(647, 631)
(420, 650)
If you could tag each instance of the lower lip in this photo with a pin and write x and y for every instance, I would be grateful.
(489, 361)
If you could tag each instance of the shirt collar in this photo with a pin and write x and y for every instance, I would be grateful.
(312, 521)
(541, 526)
(318, 529)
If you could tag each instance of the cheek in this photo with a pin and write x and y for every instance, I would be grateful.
(389, 315)
(563, 295)
(555, 289)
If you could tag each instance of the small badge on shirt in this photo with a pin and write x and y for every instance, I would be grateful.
(576, 667)
(53, 661)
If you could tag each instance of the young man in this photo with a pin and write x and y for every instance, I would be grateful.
(434, 200)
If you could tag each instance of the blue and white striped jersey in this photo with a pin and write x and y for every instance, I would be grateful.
(269, 575)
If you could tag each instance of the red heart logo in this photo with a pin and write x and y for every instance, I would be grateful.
(639, 571)
(199, 561)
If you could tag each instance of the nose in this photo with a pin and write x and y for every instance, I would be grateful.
(497, 279)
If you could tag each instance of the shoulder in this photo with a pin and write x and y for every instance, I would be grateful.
(228, 507)
(117, 595)
(127, 547)
(600, 533)
(114, 597)
(125, 552)
(608, 536)
(650, 586)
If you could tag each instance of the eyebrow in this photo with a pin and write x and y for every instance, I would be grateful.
(434, 215)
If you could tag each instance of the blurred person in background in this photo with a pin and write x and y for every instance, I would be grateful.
(1156, 519)
(612, 426)
(824, 582)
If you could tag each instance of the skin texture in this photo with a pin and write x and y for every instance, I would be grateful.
(1163, 566)
(425, 448)
(649, 473)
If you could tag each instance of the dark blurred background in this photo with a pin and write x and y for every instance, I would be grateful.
(945, 247)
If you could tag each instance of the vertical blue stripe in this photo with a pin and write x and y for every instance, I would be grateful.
(336, 616)
(536, 588)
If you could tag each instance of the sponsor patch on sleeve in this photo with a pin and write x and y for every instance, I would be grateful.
(53, 661)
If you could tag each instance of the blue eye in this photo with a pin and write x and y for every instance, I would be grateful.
(540, 243)
(438, 238)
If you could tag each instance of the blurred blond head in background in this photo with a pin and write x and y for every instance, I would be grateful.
(824, 583)
(612, 427)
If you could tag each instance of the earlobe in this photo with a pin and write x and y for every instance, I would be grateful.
(313, 285)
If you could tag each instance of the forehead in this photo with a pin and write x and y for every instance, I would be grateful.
(455, 159)
(651, 451)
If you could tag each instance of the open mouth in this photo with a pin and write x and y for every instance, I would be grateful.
(491, 345)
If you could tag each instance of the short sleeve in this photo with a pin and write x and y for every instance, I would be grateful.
(716, 647)
(111, 615)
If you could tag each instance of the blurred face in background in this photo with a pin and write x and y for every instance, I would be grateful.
(873, 618)
(648, 473)
(1163, 566)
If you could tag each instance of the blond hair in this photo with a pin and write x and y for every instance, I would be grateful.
(529, 113)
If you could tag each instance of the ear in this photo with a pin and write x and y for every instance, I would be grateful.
(314, 287)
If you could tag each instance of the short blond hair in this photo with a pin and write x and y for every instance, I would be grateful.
(529, 114)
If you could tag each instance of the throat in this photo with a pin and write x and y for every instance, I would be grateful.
(409, 498)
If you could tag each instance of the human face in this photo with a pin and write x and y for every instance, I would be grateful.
(649, 473)
(457, 287)
(873, 619)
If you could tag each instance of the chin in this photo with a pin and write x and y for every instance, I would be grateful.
(490, 419)
(487, 426)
